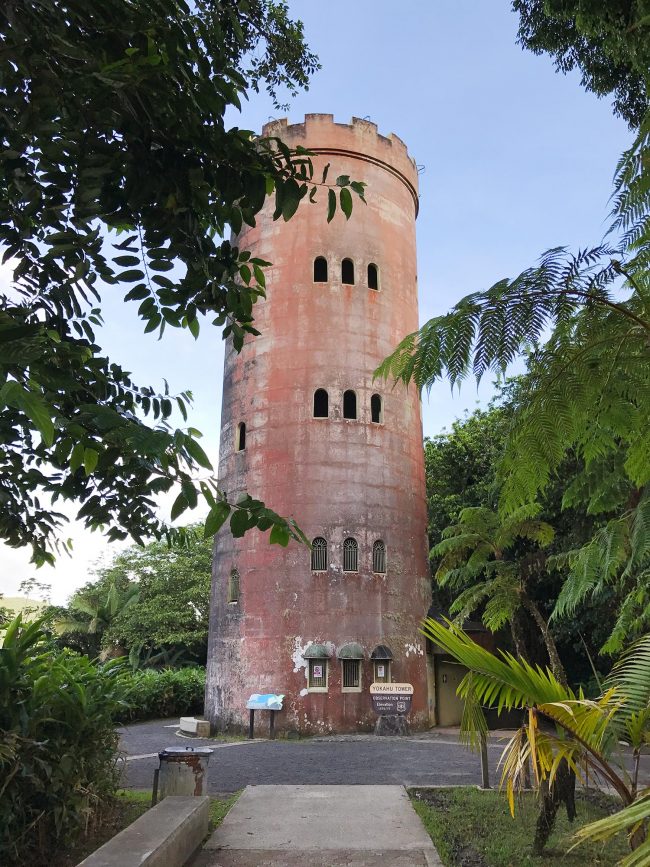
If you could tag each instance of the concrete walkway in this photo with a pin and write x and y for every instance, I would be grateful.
(320, 826)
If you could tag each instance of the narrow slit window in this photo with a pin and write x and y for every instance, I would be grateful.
(351, 676)
(376, 409)
(321, 403)
(240, 438)
(319, 555)
(382, 671)
(350, 556)
(373, 276)
(347, 272)
(233, 586)
(318, 674)
(349, 404)
(379, 557)
(320, 269)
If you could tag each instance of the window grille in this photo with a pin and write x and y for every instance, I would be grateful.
(321, 403)
(376, 409)
(382, 671)
(317, 674)
(240, 439)
(379, 556)
(319, 555)
(349, 404)
(347, 272)
(233, 586)
(373, 277)
(350, 556)
(351, 674)
(320, 269)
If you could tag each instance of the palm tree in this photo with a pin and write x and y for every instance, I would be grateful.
(102, 607)
(481, 551)
(562, 726)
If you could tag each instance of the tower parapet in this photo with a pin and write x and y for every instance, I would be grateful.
(307, 429)
(358, 140)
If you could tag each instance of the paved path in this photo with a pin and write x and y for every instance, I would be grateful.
(320, 826)
(352, 760)
(429, 759)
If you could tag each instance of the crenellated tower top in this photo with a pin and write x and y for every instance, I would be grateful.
(359, 140)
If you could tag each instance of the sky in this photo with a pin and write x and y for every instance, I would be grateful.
(515, 158)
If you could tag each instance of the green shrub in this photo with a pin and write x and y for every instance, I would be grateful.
(152, 694)
(57, 744)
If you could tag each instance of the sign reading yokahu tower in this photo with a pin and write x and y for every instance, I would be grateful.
(391, 698)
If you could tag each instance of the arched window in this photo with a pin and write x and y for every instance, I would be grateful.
(240, 437)
(347, 272)
(373, 276)
(349, 404)
(350, 556)
(319, 555)
(376, 409)
(233, 586)
(379, 557)
(321, 403)
(320, 269)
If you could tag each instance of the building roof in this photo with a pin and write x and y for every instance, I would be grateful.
(381, 652)
(316, 651)
(352, 650)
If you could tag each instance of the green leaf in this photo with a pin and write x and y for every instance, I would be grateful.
(216, 518)
(239, 523)
(195, 450)
(343, 181)
(346, 202)
(279, 535)
(90, 460)
(34, 407)
(77, 457)
(180, 505)
(133, 275)
(331, 205)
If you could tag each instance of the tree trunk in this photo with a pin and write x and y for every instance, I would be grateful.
(564, 784)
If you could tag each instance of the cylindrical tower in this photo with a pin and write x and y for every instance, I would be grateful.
(305, 429)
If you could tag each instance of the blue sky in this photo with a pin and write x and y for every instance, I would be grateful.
(516, 158)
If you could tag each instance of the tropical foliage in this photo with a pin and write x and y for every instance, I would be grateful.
(150, 603)
(587, 393)
(606, 40)
(562, 726)
(154, 694)
(57, 744)
(117, 173)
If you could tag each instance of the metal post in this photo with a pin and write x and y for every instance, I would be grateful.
(272, 726)
(251, 724)
(485, 768)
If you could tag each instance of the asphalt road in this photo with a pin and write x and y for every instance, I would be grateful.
(352, 760)
(429, 759)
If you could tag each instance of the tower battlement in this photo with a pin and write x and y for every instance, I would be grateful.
(359, 139)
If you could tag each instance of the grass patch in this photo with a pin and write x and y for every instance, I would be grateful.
(128, 806)
(471, 828)
(219, 807)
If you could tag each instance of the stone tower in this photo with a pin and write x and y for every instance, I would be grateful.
(305, 429)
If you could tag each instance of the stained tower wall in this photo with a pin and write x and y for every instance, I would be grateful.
(339, 478)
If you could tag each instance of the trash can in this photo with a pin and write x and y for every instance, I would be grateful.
(182, 771)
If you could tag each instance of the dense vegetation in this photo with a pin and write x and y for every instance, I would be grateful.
(117, 170)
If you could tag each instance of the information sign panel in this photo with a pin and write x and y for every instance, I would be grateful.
(391, 698)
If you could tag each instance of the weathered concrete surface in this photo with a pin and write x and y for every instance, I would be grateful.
(165, 836)
(338, 477)
(320, 825)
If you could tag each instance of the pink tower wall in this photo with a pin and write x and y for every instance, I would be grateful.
(337, 477)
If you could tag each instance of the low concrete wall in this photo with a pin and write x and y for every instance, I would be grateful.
(165, 836)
